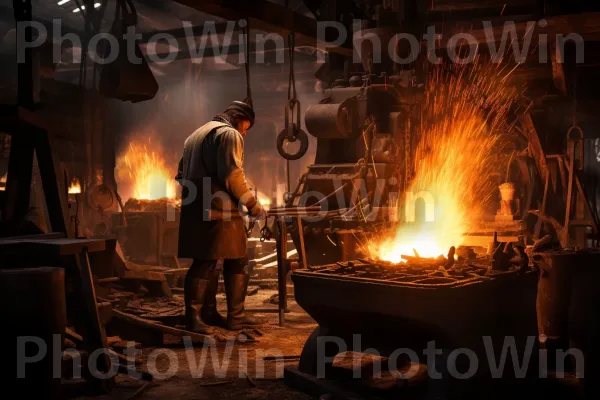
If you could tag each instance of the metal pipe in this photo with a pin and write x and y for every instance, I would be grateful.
(311, 208)
(296, 214)
(282, 269)
(366, 199)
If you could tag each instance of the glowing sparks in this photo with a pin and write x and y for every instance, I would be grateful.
(143, 169)
(75, 186)
(458, 129)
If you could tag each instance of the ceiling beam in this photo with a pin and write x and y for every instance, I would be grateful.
(182, 33)
(484, 12)
(269, 17)
(587, 25)
(233, 51)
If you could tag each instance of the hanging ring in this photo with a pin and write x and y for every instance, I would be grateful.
(290, 136)
(571, 136)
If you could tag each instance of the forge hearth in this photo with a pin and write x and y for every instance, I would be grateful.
(150, 233)
(429, 274)
(409, 305)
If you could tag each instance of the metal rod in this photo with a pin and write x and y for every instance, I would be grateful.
(311, 208)
(298, 214)
(365, 200)
(302, 248)
(332, 193)
(282, 268)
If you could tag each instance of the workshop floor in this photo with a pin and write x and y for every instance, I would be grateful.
(223, 373)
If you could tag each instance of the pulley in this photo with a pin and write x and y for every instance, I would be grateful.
(285, 137)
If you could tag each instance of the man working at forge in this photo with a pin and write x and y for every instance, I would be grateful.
(212, 227)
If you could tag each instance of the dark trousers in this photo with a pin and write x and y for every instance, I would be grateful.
(204, 269)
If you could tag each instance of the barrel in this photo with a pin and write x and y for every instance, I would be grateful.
(568, 306)
(584, 320)
(554, 294)
(33, 315)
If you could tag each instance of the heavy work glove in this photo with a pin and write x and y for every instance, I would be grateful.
(258, 212)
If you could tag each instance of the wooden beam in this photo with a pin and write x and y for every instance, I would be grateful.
(484, 12)
(233, 50)
(181, 33)
(558, 71)
(18, 183)
(53, 184)
(25, 75)
(269, 17)
(586, 25)
(163, 328)
(535, 146)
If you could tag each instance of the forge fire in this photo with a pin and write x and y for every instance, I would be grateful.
(459, 128)
(143, 171)
(298, 199)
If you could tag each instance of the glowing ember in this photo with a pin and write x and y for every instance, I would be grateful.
(458, 128)
(143, 169)
(3, 182)
(264, 200)
(75, 186)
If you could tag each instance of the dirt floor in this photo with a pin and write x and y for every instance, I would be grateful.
(241, 366)
(229, 370)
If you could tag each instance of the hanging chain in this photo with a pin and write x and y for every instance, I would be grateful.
(292, 131)
(247, 50)
(292, 81)
(293, 103)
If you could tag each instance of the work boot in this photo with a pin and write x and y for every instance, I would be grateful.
(236, 288)
(210, 315)
(194, 295)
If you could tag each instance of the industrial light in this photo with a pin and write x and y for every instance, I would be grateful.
(61, 2)
(96, 5)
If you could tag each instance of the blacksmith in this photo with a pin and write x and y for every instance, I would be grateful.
(212, 228)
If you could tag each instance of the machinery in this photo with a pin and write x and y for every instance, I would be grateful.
(367, 141)
(365, 158)
(362, 160)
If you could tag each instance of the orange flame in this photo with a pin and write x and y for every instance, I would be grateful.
(264, 200)
(143, 170)
(458, 128)
(75, 186)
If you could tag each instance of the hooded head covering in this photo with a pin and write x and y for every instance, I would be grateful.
(243, 108)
